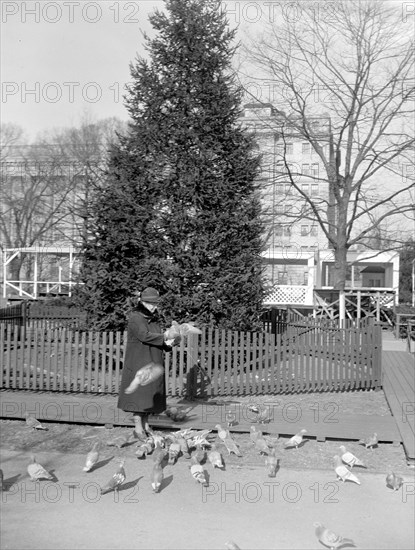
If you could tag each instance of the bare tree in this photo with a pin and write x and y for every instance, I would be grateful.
(344, 83)
(45, 186)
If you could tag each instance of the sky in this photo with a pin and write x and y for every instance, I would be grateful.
(64, 59)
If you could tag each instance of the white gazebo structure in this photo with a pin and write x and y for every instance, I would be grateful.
(40, 281)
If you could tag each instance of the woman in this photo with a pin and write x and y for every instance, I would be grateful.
(145, 344)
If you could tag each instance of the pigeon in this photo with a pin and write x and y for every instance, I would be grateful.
(230, 418)
(174, 452)
(370, 441)
(200, 439)
(119, 441)
(147, 374)
(184, 329)
(222, 432)
(254, 434)
(271, 463)
(116, 481)
(262, 446)
(159, 454)
(330, 539)
(230, 545)
(342, 472)
(92, 457)
(393, 481)
(144, 449)
(158, 439)
(349, 458)
(296, 439)
(264, 416)
(36, 471)
(199, 455)
(34, 423)
(184, 448)
(215, 458)
(178, 414)
(157, 477)
(198, 472)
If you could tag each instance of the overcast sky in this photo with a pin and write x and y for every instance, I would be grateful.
(62, 59)
(66, 58)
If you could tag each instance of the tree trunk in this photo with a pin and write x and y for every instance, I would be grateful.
(340, 273)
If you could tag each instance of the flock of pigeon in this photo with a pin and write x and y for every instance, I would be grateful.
(195, 446)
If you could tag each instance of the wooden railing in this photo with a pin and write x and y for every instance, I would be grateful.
(218, 362)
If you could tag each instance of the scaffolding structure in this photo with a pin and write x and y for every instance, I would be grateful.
(35, 285)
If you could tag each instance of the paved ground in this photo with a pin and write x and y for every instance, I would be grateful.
(240, 504)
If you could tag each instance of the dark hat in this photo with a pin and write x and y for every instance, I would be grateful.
(150, 295)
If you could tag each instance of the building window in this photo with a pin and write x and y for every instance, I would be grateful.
(305, 169)
(304, 230)
(278, 230)
(287, 209)
(279, 189)
(279, 208)
(314, 188)
(287, 231)
(306, 148)
(313, 231)
(305, 188)
(314, 169)
(305, 281)
(287, 147)
(288, 188)
(282, 278)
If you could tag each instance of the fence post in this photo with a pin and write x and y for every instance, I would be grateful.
(377, 356)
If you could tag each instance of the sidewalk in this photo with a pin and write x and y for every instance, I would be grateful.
(242, 505)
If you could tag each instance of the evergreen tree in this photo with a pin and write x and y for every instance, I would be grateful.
(180, 209)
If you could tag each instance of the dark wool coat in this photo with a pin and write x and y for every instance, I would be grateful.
(145, 343)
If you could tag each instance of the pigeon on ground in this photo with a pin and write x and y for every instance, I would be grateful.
(215, 458)
(157, 476)
(330, 539)
(144, 449)
(180, 414)
(349, 458)
(199, 455)
(36, 471)
(184, 448)
(223, 433)
(92, 457)
(230, 418)
(158, 438)
(394, 481)
(262, 446)
(174, 452)
(254, 434)
(230, 545)
(227, 440)
(200, 439)
(296, 439)
(159, 454)
(264, 415)
(342, 472)
(116, 481)
(198, 472)
(370, 441)
(271, 463)
(34, 423)
(145, 376)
